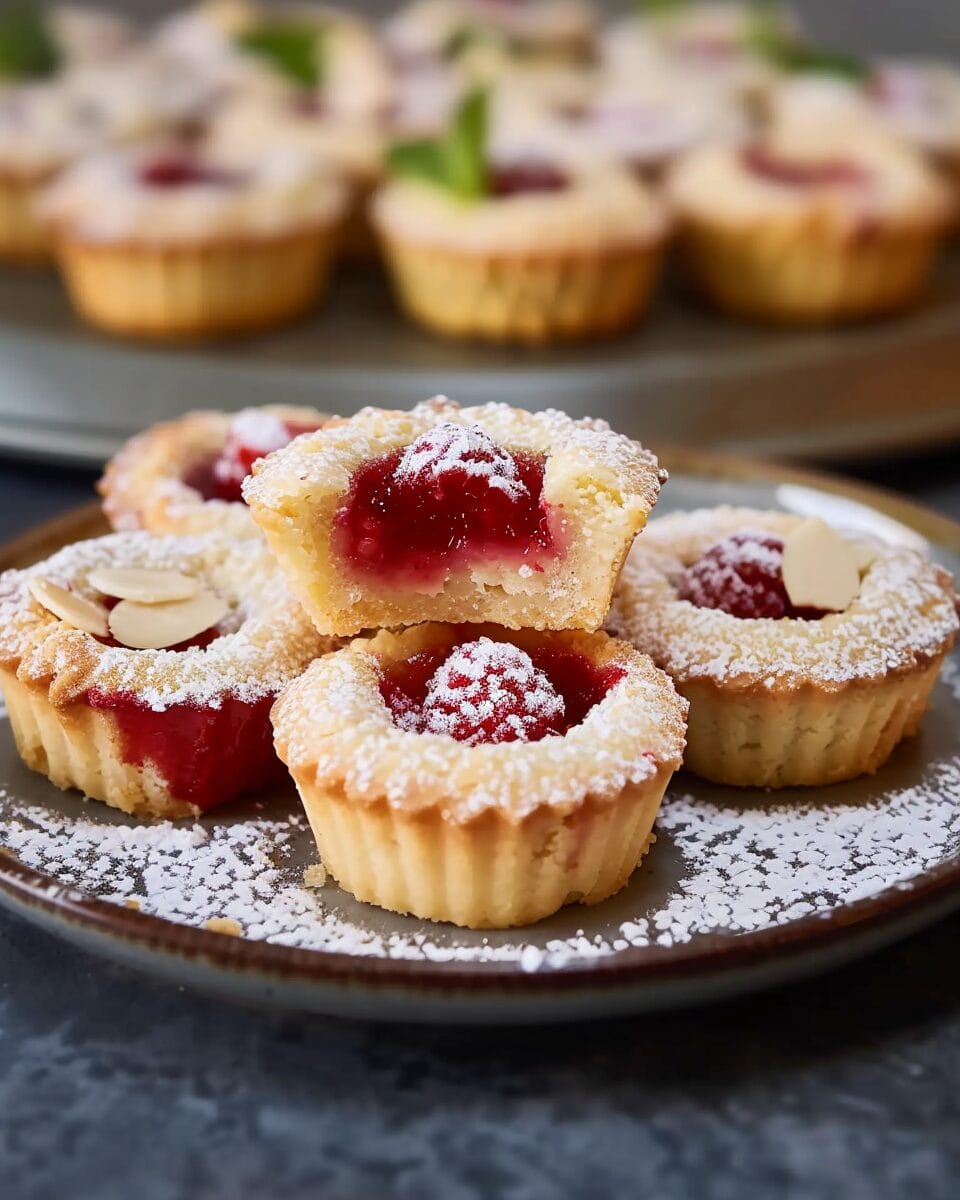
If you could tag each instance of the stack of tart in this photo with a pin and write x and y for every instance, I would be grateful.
(411, 612)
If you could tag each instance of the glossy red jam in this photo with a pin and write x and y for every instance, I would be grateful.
(743, 575)
(527, 177)
(485, 692)
(206, 756)
(221, 477)
(791, 173)
(180, 170)
(451, 498)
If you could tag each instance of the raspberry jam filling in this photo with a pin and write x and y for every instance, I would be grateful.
(252, 435)
(792, 173)
(527, 177)
(485, 692)
(451, 498)
(743, 575)
(206, 756)
(180, 170)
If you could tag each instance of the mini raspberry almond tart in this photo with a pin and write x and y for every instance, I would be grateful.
(185, 476)
(141, 670)
(810, 223)
(807, 655)
(187, 241)
(528, 245)
(481, 777)
(443, 513)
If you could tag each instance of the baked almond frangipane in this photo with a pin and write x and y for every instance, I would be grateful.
(141, 670)
(806, 654)
(450, 514)
(485, 778)
(184, 476)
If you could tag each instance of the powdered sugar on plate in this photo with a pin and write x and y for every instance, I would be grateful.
(725, 862)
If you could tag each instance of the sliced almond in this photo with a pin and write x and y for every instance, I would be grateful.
(819, 568)
(147, 585)
(157, 626)
(69, 607)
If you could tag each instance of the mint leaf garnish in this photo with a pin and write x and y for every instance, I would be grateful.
(656, 8)
(293, 50)
(456, 162)
(28, 49)
(767, 38)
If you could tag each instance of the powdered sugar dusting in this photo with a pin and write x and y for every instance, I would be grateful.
(904, 615)
(463, 448)
(744, 864)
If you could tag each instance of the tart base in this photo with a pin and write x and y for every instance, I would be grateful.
(809, 277)
(522, 298)
(24, 240)
(490, 873)
(78, 747)
(803, 738)
(183, 292)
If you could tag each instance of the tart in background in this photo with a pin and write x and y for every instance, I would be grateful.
(458, 514)
(806, 656)
(185, 476)
(179, 241)
(141, 670)
(809, 224)
(485, 778)
(538, 245)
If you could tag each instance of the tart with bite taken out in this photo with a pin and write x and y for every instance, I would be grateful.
(806, 655)
(478, 776)
(185, 476)
(141, 670)
(810, 223)
(454, 514)
(532, 244)
(188, 241)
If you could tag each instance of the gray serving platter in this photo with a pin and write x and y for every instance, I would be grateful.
(687, 375)
(808, 878)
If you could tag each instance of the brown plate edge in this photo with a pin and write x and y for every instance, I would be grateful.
(33, 892)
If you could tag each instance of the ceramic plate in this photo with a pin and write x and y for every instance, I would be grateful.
(741, 890)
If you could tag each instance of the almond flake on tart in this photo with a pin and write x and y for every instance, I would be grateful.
(159, 709)
(185, 476)
(466, 515)
(481, 776)
(792, 680)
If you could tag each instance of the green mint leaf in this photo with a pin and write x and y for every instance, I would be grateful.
(456, 162)
(293, 50)
(767, 38)
(28, 49)
(422, 159)
(465, 148)
(658, 8)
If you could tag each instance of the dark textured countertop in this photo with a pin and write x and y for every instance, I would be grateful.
(114, 1088)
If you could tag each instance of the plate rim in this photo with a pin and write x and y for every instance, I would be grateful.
(32, 893)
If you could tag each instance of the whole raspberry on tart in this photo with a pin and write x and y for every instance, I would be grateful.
(443, 513)
(478, 776)
(141, 670)
(185, 476)
(806, 654)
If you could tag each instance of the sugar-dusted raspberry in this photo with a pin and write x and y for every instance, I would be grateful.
(451, 449)
(743, 576)
(253, 434)
(488, 691)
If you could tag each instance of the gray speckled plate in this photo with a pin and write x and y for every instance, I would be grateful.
(740, 891)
